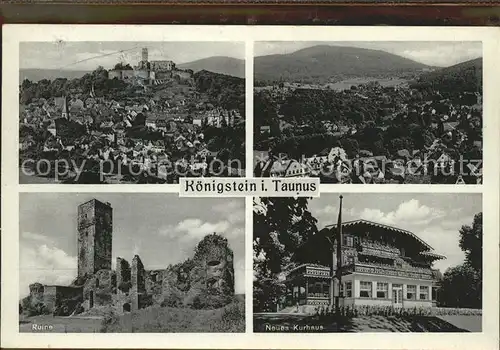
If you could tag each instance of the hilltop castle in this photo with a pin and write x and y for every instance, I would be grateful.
(209, 274)
(150, 71)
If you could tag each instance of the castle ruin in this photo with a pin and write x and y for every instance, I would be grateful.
(150, 71)
(206, 280)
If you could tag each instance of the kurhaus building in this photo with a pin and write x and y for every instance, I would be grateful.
(381, 265)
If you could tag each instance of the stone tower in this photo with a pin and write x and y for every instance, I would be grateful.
(145, 54)
(95, 233)
(64, 113)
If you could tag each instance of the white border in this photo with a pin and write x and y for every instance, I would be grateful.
(13, 34)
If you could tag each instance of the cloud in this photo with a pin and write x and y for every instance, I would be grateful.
(189, 229)
(31, 236)
(408, 213)
(444, 240)
(445, 54)
(45, 264)
(235, 210)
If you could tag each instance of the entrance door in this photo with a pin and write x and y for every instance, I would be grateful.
(91, 300)
(397, 295)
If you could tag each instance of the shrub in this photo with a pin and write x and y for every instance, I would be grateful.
(38, 309)
(203, 301)
(172, 300)
(364, 310)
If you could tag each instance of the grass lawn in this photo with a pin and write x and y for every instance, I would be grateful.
(274, 322)
(229, 319)
(58, 324)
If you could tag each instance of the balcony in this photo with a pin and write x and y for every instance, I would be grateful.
(378, 249)
(389, 270)
(310, 270)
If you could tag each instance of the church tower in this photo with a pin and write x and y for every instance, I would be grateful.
(145, 54)
(64, 113)
(95, 234)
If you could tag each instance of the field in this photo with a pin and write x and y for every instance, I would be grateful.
(230, 318)
(273, 322)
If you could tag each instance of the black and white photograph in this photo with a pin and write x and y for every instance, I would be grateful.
(368, 262)
(130, 263)
(130, 112)
(381, 112)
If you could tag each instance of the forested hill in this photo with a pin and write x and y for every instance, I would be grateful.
(465, 76)
(223, 90)
(320, 64)
(218, 64)
(35, 75)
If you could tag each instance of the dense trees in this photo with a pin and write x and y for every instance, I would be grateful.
(463, 77)
(222, 90)
(280, 226)
(111, 88)
(462, 285)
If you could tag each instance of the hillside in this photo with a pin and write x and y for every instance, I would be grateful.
(218, 64)
(465, 76)
(50, 74)
(323, 63)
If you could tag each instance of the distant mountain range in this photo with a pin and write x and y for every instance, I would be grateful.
(216, 64)
(322, 62)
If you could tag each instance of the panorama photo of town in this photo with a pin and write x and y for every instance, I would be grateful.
(368, 262)
(369, 112)
(130, 263)
(130, 112)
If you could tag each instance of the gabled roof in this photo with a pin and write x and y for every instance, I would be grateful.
(433, 255)
(387, 227)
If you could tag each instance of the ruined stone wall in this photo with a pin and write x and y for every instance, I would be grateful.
(154, 285)
(50, 297)
(122, 272)
(138, 282)
(163, 75)
(95, 231)
(206, 280)
(99, 289)
(36, 293)
(85, 238)
(103, 236)
(143, 74)
(182, 74)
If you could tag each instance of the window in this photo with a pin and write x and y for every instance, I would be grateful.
(365, 290)
(348, 241)
(411, 292)
(382, 290)
(348, 289)
(402, 252)
(424, 292)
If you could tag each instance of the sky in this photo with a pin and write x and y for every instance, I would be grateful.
(162, 229)
(435, 218)
(435, 53)
(64, 55)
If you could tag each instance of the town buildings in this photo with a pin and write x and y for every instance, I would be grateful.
(381, 265)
